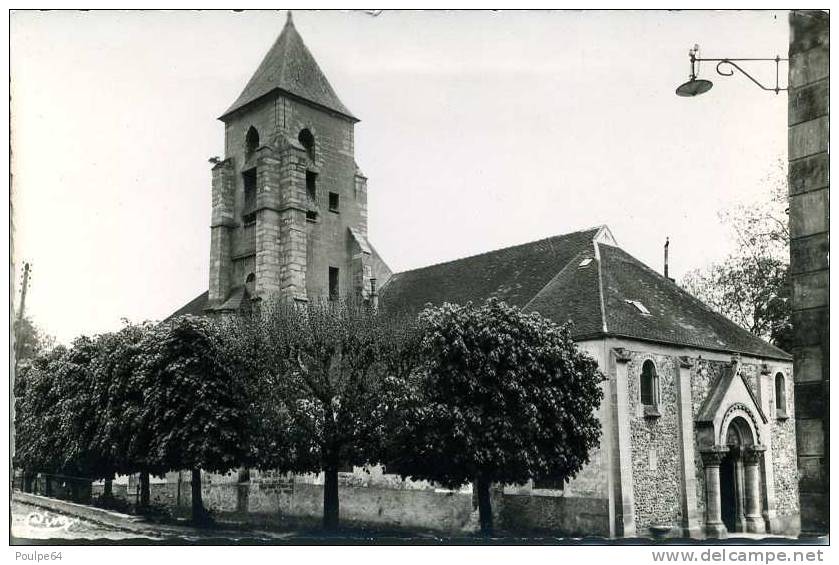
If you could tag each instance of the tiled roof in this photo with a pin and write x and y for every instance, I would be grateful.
(551, 277)
(194, 307)
(574, 294)
(290, 67)
(675, 315)
(514, 274)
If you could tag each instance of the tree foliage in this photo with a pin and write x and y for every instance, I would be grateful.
(752, 286)
(194, 403)
(30, 340)
(319, 386)
(505, 397)
(145, 399)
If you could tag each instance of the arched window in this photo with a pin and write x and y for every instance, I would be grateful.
(649, 384)
(251, 141)
(307, 140)
(250, 284)
(780, 396)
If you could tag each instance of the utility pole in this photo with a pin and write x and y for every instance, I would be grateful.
(19, 320)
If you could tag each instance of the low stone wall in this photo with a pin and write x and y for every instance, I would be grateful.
(381, 501)
(283, 499)
(557, 515)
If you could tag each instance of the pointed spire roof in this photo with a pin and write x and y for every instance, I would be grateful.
(290, 67)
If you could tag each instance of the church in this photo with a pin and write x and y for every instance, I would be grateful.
(698, 424)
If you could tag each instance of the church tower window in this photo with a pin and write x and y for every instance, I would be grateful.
(649, 389)
(251, 141)
(780, 396)
(312, 186)
(334, 202)
(307, 140)
(249, 208)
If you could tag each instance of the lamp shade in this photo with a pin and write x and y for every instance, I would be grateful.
(694, 87)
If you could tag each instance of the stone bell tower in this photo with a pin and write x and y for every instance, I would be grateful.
(289, 203)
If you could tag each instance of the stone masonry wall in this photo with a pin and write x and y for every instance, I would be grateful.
(705, 374)
(784, 460)
(655, 446)
(325, 241)
(366, 498)
(809, 197)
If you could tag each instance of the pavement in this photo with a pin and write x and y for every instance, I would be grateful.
(42, 520)
(38, 519)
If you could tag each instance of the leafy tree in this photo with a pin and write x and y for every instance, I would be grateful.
(752, 286)
(79, 412)
(193, 404)
(38, 446)
(119, 437)
(320, 388)
(30, 340)
(505, 397)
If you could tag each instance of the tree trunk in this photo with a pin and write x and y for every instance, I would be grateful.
(109, 488)
(243, 490)
(330, 498)
(485, 506)
(144, 489)
(48, 485)
(199, 514)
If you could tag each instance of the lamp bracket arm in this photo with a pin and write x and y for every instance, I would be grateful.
(725, 67)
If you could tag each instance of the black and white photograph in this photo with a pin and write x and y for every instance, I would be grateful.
(296, 277)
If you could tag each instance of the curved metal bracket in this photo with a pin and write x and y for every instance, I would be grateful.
(726, 68)
(732, 65)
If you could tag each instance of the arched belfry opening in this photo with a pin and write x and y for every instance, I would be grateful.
(251, 141)
(307, 140)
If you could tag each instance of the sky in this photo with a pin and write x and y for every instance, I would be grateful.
(479, 130)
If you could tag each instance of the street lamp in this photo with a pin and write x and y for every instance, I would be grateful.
(725, 67)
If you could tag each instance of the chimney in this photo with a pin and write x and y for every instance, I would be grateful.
(667, 260)
(374, 296)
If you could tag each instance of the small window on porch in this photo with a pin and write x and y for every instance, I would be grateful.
(780, 397)
(649, 389)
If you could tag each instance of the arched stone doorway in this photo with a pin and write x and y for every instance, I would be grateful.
(738, 439)
(733, 480)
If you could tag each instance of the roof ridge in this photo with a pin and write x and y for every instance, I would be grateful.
(602, 304)
(497, 250)
(698, 302)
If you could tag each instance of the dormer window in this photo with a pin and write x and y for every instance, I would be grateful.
(639, 306)
(251, 142)
(585, 262)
